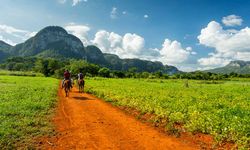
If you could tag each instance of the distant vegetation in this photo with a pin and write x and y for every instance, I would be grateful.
(220, 109)
(37, 66)
(25, 109)
(21, 73)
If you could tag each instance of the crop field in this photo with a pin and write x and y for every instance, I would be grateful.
(25, 104)
(221, 108)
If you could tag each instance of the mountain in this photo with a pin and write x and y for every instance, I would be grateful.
(140, 65)
(237, 66)
(4, 47)
(114, 61)
(95, 55)
(52, 41)
(56, 42)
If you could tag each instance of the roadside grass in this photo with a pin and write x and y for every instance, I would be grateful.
(26, 105)
(221, 109)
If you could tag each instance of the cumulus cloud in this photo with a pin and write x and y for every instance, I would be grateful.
(132, 46)
(212, 34)
(232, 20)
(14, 35)
(133, 43)
(80, 31)
(124, 12)
(173, 53)
(102, 41)
(127, 46)
(213, 61)
(228, 44)
(113, 13)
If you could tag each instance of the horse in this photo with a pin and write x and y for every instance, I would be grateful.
(67, 87)
(81, 85)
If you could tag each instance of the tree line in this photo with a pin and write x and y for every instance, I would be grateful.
(55, 68)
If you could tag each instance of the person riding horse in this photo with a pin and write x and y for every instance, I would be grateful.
(80, 76)
(66, 75)
(81, 82)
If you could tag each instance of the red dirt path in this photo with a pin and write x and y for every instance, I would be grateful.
(85, 122)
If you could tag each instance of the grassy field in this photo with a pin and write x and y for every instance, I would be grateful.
(220, 108)
(25, 104)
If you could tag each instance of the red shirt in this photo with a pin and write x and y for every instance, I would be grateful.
(66, 75)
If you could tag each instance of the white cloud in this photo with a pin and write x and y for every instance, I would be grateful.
(102, 41)
(115, 40)
(124, 12)
(213, 61)
(80, 31)
(132, 46)
(11, 30)
(228, 44)
(232, 20)
(127, 46)
(14, 35)
(145, 16)
(113, 13)
(173, 53)
(133, 43)
(212, 34)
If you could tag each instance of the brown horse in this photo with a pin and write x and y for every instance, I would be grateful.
(67, 87)
(81, 85)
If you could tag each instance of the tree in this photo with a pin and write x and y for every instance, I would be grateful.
(41, 66)
(145, 74)
(158, 74)
(117, 74)
(92, 69)
(104, 72)
(53, 65)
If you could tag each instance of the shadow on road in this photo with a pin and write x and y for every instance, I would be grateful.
(82, 98)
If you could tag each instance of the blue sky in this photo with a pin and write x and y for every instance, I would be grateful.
(190, 34)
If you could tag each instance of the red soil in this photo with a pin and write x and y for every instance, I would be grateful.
(85, 122)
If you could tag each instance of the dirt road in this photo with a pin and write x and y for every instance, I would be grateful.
(85, 122)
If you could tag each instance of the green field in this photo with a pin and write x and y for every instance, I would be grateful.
(220, 108)
(25, 107)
